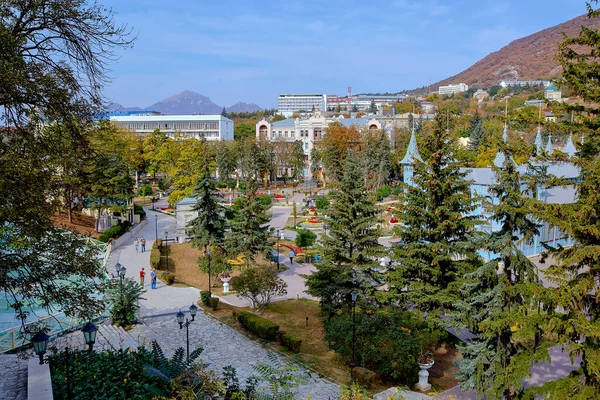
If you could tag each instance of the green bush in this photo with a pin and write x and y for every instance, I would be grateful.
(382, 192)
(168, 278)
(124, 296)
(258, 325)
(364, 377)
(114, 232)
(205, 297)
(163, 184)
(397, 190)
(305, 238)
(139, 210)
(155, 258)
(265, 200)
(292, 342)
(145, 191)
(214, 302)
(322, 203)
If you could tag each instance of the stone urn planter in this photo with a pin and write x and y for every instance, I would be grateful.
(424, 384)
(225, 278)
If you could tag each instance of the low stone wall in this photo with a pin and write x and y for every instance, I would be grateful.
(39, 382)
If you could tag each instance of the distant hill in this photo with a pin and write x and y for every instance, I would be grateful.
(528, 58)
(240, 106)
(186, 103)
(118, 107)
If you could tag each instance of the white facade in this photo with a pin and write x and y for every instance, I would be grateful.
(209, 127)
(451, 89)
(307, 130)
(288, 104)
(538, 82)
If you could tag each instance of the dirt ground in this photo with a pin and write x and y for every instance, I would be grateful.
(82, 224)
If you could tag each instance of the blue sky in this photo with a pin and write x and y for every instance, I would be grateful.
(249, 50)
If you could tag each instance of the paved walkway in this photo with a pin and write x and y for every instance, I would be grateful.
(222, 344)
(13, 379)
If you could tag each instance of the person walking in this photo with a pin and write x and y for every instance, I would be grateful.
(142, 275)
(143, 243)
(152, 279)
(292, 254)
(136, 244)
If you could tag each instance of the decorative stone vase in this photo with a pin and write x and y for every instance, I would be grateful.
(225, 284)
(424, 376)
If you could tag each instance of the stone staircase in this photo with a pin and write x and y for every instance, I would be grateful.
(109, 337)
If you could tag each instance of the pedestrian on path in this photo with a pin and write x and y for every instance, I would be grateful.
(143, 243)
(136, 244)
(292, 254)
(152, 279)
(142, 275)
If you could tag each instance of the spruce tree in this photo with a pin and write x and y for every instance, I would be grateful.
(373, 107)
(502, 304)
(350, 248)
(475, 131)
(249, 228)
(436, 231)
(208, 228)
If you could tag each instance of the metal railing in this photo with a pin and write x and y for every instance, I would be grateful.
(55, 324)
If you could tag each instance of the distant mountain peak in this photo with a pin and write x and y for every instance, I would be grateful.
(528, 58)
(240, 106)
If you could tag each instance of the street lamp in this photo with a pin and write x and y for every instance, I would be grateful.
(40, 343)
(89, 334)
(354, 296)
(167, 248)
(180, 316)
(122, 271)
(277, 233)
(155, 226)
(208, 254)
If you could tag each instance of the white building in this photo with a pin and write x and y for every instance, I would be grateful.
(288, 104)
(209, 127)
(309, 131)
(538, 82)
(451, 89)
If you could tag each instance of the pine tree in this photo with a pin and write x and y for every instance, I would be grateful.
(436, 231)
(208, 228)
(502, 305)
(224, 112)
(249, 228)
(475, 131)
(350, 248)
(373, 107)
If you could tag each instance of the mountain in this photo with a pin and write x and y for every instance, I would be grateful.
(240, 106)
(186, 103)
(528, 58)
(117, 107)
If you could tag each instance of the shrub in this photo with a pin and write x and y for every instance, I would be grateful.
(305, 238)
(205, 297)
(382, 192)
(265, 200)
(155, 258)
(124, 296)
(168, 277)
(115, 231)
(304, 213)
(365, 377)
(397, 190)
(157, 243)
(258, 325)
(322, 203)
(214, 302)
(292, 342)
(259, 286)
(145, 191)
(163, 184)
(139, 210)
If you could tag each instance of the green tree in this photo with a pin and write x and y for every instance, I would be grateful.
(151, 146)
(350, 248)
(243, 130)
(259, 285)
(373, 107)
(249, 228)
(475, 131)
(226, 158)
(208, 228)
(124, 297)
(501, 303)
(294, 212)
(305, 238)
(354, 108)
(437, 229)
(376, 157)
(224, 112)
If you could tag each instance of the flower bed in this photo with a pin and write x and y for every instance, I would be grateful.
(239, 260)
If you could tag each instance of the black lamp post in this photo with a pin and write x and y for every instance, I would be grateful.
(89, 334)
(277, 233)
(122, 271)
(180, 316)
(354, 296)
(167, 248)
(40, 343)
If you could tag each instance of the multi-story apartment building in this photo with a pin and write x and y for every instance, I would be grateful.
(307, 130)
(288, 104)
(538, 82)
(209, 127)
(451, 89)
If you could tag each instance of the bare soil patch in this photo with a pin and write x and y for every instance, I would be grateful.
(82, 224)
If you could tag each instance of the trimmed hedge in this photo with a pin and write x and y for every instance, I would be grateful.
(214, 302)
(115, 231)
(168, 278)
(139, 210)
(258, 325)
(157, 243)
(205, 297)
(155, 258)
(365, 377)
(292, 342)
